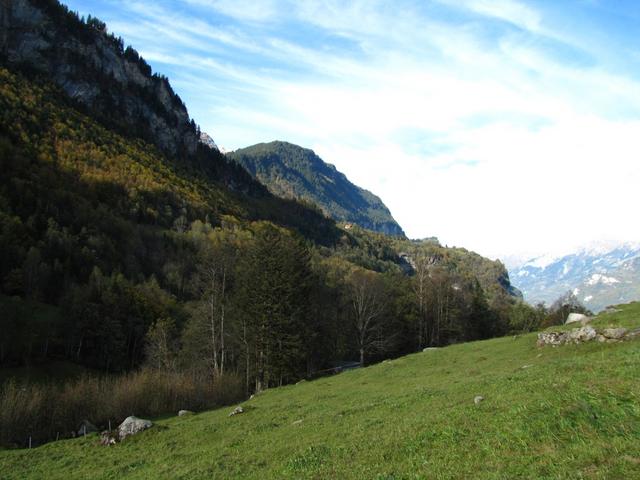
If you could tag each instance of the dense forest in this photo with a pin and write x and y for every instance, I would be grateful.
(119, 254)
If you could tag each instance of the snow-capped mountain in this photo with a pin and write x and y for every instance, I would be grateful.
(599, 275)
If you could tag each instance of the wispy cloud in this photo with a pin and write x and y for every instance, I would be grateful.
(489, 123)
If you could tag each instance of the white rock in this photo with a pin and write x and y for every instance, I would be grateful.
(477, 399)
(577, 317)
(182, 413)
(132, 425)
(236, 411)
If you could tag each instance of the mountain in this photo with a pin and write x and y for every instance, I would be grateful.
(118, 224)
(291, 171)
(599, 275)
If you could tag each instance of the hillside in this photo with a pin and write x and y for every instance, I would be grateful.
(602, 275)
(291, 171)
(568, 412)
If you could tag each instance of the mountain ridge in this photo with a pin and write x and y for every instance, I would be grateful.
(598, 274)
(291, 171)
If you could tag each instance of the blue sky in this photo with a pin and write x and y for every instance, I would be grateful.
(505, 126)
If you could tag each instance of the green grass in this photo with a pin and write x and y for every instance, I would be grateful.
(573, 412)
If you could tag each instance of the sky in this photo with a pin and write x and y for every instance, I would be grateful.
(507, 127)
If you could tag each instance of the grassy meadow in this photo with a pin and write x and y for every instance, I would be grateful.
(568, 412)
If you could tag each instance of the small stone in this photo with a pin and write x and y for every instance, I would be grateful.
(107, 438)
(236, 411)
(526, 366)
(539, 355)
(477, 399)
(297, 422)
(428, 349)
(182, 413)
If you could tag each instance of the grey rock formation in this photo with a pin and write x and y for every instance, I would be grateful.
(586, 334)
(614, 333)
(580, 335)
(92, 68)
(131, 426)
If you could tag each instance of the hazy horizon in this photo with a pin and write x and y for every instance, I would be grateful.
(509, 128)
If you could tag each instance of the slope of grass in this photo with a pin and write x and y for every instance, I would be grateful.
(568, 412)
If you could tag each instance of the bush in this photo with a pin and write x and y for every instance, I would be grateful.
(44, 412)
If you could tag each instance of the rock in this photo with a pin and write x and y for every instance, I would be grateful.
(577, 317)
(86, 427)
(236, 411)
(524, 367)
(297, 422)
(182, 413)
(107, 438)
(131, 426)
(633, 333)
(552, 338)
(614, 333)
(428, 349)
(477, 399)
(580, 335)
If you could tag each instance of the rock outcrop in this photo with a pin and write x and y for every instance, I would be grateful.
(93, 68)
(586, 334)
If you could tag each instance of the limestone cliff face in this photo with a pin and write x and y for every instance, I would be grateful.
(91, 66)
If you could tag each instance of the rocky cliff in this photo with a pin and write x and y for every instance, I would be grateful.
(112, 83)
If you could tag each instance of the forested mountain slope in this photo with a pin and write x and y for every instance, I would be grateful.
(291, 171)
(134, 246)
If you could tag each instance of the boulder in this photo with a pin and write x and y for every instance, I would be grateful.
(182, 413)
(131, 426)
(577, 317)
(580, 335)
(552, 338)
(86, 427)
(614, 333)
(236, 411)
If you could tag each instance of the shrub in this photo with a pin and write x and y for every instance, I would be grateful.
(43, 412)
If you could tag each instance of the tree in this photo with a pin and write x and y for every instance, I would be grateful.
(161, 345)
(272, 302)
(422, 264)
(367, 296)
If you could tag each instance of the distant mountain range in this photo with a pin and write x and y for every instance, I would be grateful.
(291, 171)
(598, 275)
